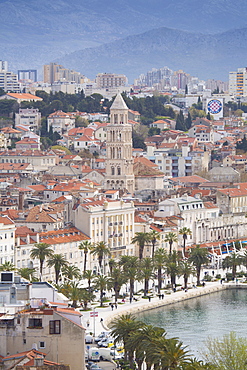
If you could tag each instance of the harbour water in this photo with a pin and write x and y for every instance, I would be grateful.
(195, 320)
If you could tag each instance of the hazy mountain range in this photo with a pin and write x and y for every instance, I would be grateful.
(189, 34)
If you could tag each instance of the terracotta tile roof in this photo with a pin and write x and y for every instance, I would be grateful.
(142, 170)
(63, 236)
(24, 96)
(45, 213)
(9, 130)
(210, 205)
(187, 179)
(145, 161)
(155, 228)
(6, 220)
(37, 187)
(139, 220)
(13, 214)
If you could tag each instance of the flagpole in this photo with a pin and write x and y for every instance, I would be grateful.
(94, 322)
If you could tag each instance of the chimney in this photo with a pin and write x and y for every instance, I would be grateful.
(39, 361)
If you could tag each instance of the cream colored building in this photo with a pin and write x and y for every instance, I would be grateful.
(238, 82)
(109, 221)
(56, 331)
(41, 161)
(119, 160)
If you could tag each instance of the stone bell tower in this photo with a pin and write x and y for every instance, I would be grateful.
(119, 161)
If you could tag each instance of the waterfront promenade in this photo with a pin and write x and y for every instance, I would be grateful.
(106, 314)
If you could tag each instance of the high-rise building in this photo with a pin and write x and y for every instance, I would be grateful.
(3, 66)
(9, 81)
(119, 161)
(27, 74)
(54, 72)
(238, 82)
(107, 80)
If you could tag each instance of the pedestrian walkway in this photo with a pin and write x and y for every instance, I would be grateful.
(103, 315)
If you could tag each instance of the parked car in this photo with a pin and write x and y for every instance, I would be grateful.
(88, 339)
(102, 336)
(105, 342)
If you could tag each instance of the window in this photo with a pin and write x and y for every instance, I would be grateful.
(35, 323)
(41, 344)
(55, 327)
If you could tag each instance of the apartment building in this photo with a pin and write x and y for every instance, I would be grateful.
(60, 122)
(238, 82)
(106, 220)
(55, 330)
(108, 80)
(9, 81)
(54, 72)
(31, 118)
(7, 239)
(41, 161)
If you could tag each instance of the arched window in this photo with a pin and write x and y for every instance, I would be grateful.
(119, 171)
(113, 171)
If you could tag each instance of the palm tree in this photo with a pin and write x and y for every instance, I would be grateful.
(185, 231)
(27, 273)
(122, 328)
(186, 269)
(153, 237)
(41, 251)
(116, 280)
(171, 238)
(90, 276)
(143, 341)
(112, 264)
(101, 250)
(74, 293)
(57, 261)
(141, 239)
(170, 354)
(7, 266)
(86, 297)
(101, 282)
(160, 257)
(130, 270)
(172, 267)
(71, 272)
(85, 246)
(198, 257)
(146, 272)
(232, 261)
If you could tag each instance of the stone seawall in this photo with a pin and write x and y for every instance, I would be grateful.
(172, 299)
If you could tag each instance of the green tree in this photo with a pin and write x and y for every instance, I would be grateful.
(86, 247)
(146, 272)
(180, 123)
(232, 261)
(160, 258)
(141, 239)
(153, 237)
(112, 264)
(122, 328)
(198, 257)
(185, 231)
(86, 297)
(116, 281)
(27, 273)
(71, 272)
(172, 267)
(41, 251)
(171, 238)
(101, 282)
(57, 261)
(130, 268)
(188, 121)
(7, 266)
(186, 269)
(228, 353)
(89, 276)
(101, 251)
(74, 293)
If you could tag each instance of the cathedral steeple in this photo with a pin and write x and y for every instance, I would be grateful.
(119, 161)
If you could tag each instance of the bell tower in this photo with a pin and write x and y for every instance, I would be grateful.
(119, 161)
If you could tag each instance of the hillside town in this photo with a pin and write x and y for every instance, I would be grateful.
(101, 172)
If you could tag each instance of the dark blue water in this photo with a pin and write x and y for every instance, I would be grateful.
(194, 320)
